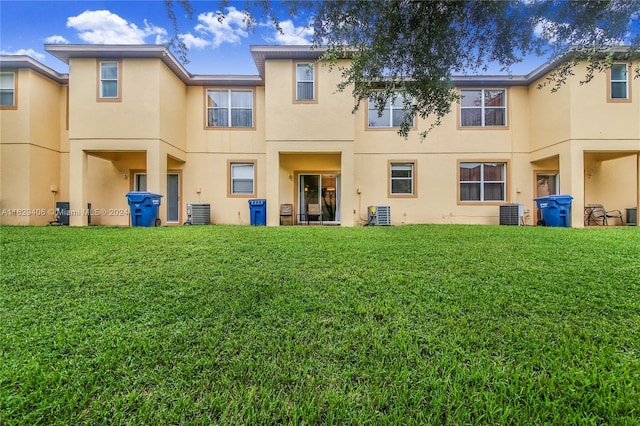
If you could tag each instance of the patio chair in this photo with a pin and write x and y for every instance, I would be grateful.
(314, 210)
(286, 210)
(600, 216)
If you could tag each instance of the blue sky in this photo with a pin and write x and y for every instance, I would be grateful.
(215, 48)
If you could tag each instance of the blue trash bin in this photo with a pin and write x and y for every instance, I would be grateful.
(555, 209)
(258, 212)
(144, 208)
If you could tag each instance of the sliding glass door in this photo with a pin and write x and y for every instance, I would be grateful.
(323, 189)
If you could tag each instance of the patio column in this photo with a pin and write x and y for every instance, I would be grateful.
(347, 185)
(637, 186)
(572, 182)
(272, 185)
(77, 178)
(157, 175)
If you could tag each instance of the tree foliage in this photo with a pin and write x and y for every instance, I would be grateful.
(415, 47)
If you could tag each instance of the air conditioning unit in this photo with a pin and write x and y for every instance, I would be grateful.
(62, 213)
(379, 215)
(198, 214)
(512, 214)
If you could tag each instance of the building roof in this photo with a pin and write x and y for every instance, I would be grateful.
(13, 62)
(65, 52)
(260, 54)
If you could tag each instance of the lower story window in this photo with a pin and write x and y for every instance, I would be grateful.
(242, 178)
(482, 181)
(401, 178)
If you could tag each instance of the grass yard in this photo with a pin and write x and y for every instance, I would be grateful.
(296, 325)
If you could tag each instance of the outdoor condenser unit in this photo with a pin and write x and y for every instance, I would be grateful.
(379, 215)
(198, 214)
(512, 214)
(62, 213)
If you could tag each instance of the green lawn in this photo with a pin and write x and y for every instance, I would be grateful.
(296, 325)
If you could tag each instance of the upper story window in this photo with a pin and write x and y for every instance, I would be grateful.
(109, 80)
(8, 89)
(392, 114)
(619, 82)
(402, 178)
(483, 108)
(230, 108)
(483, 181)
(242, 178)
(305, 82)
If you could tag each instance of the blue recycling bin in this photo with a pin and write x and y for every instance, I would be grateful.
(144, 208)
(258, 212)
(555, 209)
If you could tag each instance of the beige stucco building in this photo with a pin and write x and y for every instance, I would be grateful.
(133, 118)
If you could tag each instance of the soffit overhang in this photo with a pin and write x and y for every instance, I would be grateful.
(67, 52)
(260, 55)
(15, 62)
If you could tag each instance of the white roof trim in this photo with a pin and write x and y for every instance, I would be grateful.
(12, 62)
(65, 52)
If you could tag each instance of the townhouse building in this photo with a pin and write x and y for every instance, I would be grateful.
(131, 117)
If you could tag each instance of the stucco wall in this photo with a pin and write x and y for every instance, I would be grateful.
(136, 115)
(612, 183)
(205, 180)
(171, 107)
(201, 139)
(159, 125)
(593, 117)
(30, 159)
(329, 118)
(549, 115)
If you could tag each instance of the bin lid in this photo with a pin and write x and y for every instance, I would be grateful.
(561, 199)
(139, 196)
(257, 202)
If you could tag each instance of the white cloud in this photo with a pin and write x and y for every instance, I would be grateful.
(231, 29)
(564, 34)
(27, 52)
(104, 27)
(56, 39)
(291, 34)
(546, 29)
(192, 41)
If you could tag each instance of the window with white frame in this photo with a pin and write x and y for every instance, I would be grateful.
(109, 80)
(619, 81)
(230, 108)
(392, 114)
(7, 89)
(242, 178)
(401, 178)
(483, 108)
(305, 82)
(483, 181)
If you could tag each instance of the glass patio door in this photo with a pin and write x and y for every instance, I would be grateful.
(323, 189)
(547, 183)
